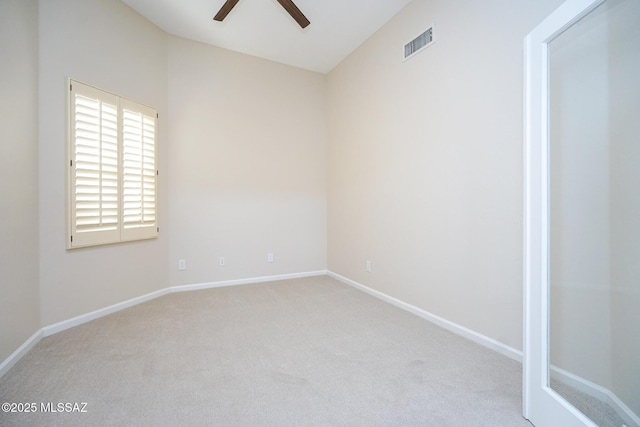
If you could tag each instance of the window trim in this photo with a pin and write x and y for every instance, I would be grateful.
(97, 233)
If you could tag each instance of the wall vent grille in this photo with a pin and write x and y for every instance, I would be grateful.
(418, 44)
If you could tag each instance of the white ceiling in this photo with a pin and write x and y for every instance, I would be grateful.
(263, 28)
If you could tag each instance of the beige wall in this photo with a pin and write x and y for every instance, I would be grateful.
(106, 44)
(425, 162)
(19, 300)
(247, 165)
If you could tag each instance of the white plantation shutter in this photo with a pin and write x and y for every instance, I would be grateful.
(113, 173)
(138, 170)
(94, 166)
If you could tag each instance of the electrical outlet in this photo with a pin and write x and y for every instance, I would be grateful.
(369, 268)
(221, 261)
(182, 264)
(270, 257)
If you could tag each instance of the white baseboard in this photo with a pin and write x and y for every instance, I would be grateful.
(236, 282)
(598, 392)
(84, 318)
(483, 340)
(623, 410)
(579, 383)
(20, 352)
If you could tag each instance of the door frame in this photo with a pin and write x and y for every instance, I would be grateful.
(541, 405)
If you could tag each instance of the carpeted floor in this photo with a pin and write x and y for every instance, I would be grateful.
(304, 352)
(599, 412)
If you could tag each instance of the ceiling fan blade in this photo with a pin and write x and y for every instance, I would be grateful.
(225, 9)
(295, 12)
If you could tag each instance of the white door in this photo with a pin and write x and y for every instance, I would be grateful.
(542, 405)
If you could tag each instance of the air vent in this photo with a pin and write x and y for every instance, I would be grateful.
(419, 43)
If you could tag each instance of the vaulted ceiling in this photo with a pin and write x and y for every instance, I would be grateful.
(263, 28)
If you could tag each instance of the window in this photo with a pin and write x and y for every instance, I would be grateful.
(112, 168)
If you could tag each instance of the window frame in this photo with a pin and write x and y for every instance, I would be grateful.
(96, 161)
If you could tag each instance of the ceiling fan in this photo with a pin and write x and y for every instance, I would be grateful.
(287, 4)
